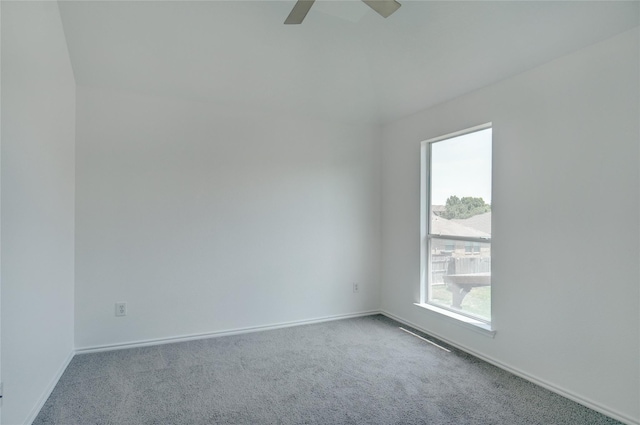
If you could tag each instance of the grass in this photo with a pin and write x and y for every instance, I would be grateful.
(477, 302)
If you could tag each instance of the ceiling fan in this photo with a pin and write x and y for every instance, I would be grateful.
(384, 7)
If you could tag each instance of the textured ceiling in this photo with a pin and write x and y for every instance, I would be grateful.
(344, 62)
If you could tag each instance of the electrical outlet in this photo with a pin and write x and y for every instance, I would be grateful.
(356, 287)
(121, 309)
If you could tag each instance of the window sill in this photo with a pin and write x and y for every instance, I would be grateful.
(464, 321)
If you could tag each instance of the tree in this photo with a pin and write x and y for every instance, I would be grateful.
(464, 207)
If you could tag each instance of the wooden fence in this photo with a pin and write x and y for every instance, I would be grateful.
(447, 265)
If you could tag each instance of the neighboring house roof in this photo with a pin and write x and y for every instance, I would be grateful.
(442, 226)
(481, 222)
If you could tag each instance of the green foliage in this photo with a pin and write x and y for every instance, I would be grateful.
(477, 302)
(464, 207)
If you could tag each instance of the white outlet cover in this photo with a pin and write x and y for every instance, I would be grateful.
(121, 309)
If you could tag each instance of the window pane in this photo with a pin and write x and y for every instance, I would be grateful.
(456, 223)
(461, 186)
(461, 276)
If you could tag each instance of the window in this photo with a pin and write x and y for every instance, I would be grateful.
(456, 223)
(471, 248)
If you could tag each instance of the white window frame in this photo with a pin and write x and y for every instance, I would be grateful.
(476, 323)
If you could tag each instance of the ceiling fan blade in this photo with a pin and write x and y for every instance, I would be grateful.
(299, 11)
(384, 7)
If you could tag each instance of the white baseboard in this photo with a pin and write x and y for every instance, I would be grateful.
(541, 382)
(47, 392)
(238, 331)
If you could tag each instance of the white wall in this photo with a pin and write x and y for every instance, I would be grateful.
(565, 222)
(203, 218)
(38, 125)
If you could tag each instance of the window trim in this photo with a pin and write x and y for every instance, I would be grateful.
(426, 236)
(458, 319)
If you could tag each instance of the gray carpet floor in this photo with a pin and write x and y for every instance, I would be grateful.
(356, 371)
